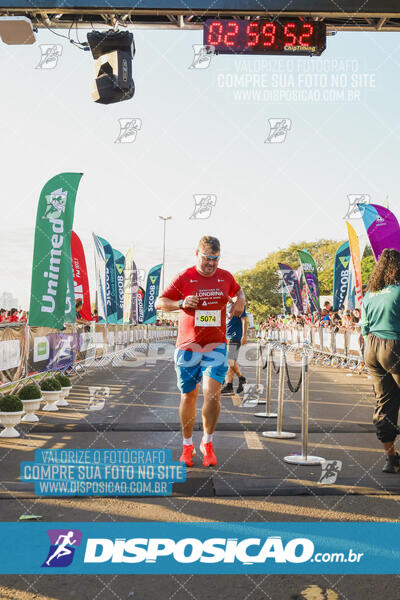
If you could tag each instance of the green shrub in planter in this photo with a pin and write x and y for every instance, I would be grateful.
(10, 403)
(29, 392)
(63, 379)
(50, 385)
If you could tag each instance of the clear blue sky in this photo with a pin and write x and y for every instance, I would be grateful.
(203, 131)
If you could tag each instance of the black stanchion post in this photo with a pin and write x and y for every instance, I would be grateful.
(279, 433)
(304, 459)
(267, 414)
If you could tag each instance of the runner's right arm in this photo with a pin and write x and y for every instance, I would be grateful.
(163, 303)
(171, 296)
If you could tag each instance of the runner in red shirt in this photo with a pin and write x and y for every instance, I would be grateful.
(201, 293)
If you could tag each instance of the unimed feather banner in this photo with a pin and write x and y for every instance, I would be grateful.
(52, 251)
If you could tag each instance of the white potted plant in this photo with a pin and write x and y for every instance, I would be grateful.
(51, 389)
(11, 411)
(66, 387)
(30, 397)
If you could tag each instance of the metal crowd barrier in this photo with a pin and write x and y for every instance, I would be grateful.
(26, 352)
(342, 348)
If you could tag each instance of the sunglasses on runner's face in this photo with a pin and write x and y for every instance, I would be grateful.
(215, 258)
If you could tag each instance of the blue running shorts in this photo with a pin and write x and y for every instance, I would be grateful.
(191, 366)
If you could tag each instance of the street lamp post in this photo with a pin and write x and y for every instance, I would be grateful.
(165, 219)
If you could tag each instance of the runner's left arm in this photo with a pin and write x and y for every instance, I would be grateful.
(238, 303)
(244, 334)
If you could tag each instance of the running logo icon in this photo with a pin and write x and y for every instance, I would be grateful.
(252, 392)
(128, 129)
(353, 211)
(329, 471)
(50, 54)
(203, 205)
(63, 543)
(202, 56)
(55, 204)
(278, 130)
(97, 397)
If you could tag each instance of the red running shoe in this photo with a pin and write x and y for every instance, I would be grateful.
(187, 455)
(209, 460)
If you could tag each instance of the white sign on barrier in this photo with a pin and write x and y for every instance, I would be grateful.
(84, 341)
(10, 354)
(340, 344)
(99, 339)
(41, 348)
(354, 344)
(327, 342)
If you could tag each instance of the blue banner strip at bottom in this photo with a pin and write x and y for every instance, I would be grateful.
(199, 548)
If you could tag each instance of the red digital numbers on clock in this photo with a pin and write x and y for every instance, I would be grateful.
(253, 34)
(268, 34)
(308, 30)
(232, 29)
(215, 31)
(289, 36)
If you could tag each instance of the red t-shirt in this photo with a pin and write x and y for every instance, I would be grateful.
(206, 324)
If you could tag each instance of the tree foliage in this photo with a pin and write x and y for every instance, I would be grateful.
(261, 284)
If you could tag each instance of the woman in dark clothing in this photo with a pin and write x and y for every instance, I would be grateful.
(381, 323)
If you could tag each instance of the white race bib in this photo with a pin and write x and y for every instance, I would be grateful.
(207, 318)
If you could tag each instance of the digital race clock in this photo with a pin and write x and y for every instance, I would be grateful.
(262, 36)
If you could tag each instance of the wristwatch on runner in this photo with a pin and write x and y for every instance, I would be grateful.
(180, 303)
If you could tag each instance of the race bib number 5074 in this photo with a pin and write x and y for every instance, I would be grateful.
(207, 318)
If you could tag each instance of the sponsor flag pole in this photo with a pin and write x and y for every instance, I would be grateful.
(81, 281)
(109, 283)
(100, 268)
(140, 304)
(152, 288)
(292, 284)
(129, 276)
(310, 273)
(119, 262)
(341, 273)
(356, 259)
(382, 228)
(52, 266)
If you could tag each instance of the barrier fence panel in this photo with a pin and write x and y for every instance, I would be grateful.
(110, 337)
(318, 338)
(353, 344)
(39, 340)
(100, 339)
(12, 352)
(63, 348)
(26, 351)
(343, 344)
(340, 343)
(85, 342)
